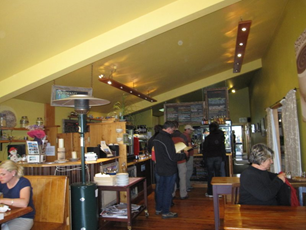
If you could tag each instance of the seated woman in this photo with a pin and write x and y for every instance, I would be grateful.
(17, 192)
(258, 186)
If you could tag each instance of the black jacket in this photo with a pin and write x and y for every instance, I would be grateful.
(213, 145)
(166, 157)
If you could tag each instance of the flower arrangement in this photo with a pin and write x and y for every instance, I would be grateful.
(37, 132)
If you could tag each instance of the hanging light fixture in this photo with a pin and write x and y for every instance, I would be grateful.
(110, 81)
(241, 42)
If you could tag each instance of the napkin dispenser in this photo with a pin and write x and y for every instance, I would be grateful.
(91, 156)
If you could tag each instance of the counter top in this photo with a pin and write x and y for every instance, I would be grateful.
(138, 161)
(68, 163)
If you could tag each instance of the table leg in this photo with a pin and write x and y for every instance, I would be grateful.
(129, 214)
(216, 206)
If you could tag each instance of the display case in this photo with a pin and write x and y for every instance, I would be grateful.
(201, 132)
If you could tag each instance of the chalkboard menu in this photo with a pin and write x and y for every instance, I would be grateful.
(217, 103)
(184, 113)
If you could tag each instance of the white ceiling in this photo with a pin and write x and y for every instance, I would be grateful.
(203, 48)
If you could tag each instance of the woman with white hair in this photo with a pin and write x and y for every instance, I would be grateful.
(17, 192)
(258, 186)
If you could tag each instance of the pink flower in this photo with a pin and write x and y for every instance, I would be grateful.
(38, 133)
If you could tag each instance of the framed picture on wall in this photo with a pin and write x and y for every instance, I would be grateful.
(253, 128)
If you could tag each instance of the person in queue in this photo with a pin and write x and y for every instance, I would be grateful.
(258, 186)
(213, 154)
(181, 181)
(166, 169)
(187, 132)
(151, 150)
(17, 192)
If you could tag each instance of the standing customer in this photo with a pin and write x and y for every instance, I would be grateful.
(181, 182)
(17, 192)
(213, 153)
(258, 186)
(187, 133)
(166, 169)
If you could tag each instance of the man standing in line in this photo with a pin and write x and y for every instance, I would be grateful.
(181, 182)
(189, 164)
(166, 169)
(213, 154)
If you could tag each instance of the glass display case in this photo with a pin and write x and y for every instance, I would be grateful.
(201, 132)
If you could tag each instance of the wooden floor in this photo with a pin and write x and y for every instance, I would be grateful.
(194, 213)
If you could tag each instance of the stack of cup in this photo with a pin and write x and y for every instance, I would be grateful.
(61, 150)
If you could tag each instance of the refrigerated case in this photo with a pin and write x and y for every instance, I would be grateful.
(198, 137)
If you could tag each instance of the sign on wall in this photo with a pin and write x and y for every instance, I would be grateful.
(217, 103)
(184, 113)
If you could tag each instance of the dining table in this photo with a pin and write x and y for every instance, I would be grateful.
(224, 185)
(264, 217)
(14, 213)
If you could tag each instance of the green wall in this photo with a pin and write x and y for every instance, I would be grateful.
(279, 74)
(239, 105)
(20, 108)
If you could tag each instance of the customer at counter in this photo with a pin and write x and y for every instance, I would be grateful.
(17, 192)
(258, 186)
(166, 169)
(187, 132)
(213, 154)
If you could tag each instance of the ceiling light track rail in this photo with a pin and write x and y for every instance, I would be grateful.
(241, 42)
(125, 88)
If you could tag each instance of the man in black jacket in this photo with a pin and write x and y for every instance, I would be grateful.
(213, 153)
(166, 169)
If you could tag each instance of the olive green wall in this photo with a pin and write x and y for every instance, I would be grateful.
(279, 74)
(20, 108)
(239, 105)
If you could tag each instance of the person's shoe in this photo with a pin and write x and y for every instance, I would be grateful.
(189, 190)
(158, 212)
(208, 195)
(169, 215)
(184, 198)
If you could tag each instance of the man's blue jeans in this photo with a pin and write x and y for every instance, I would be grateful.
(213, 169)
(165, 186)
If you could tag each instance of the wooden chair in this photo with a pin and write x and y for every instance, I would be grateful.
(234, 195)
(51, 201)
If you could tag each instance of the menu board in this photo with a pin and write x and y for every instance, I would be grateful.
(185, 113)
(217, 103)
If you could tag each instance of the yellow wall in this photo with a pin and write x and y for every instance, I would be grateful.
(279, 74)
(239, 105)
(20, 108)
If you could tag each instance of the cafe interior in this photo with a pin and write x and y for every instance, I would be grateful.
(162, 52)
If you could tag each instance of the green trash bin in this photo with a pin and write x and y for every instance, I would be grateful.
(84, 206)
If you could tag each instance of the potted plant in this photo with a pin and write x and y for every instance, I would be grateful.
(122, 108)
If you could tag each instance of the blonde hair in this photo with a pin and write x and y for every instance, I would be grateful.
(10, 166)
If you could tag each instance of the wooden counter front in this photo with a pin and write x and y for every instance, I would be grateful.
(71, 168)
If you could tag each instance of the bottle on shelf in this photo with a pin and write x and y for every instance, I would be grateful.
(24, 122)
(2, 120)
(39, 121)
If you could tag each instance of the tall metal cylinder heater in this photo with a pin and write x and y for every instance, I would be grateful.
(83, 195)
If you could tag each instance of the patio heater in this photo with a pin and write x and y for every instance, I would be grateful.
(83, 195)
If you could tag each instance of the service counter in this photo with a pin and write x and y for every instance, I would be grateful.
(71, 168)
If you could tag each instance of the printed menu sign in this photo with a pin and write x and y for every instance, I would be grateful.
(217, 103)
(185, 113)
